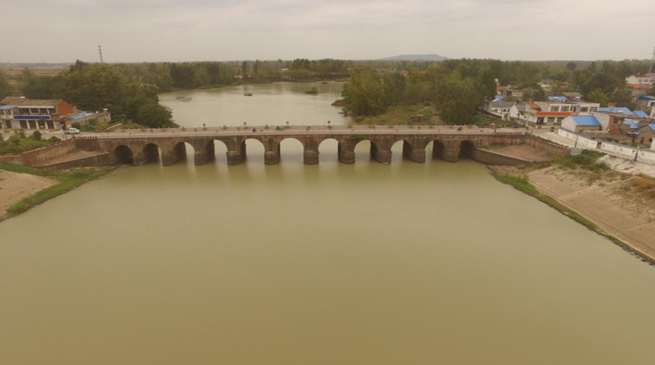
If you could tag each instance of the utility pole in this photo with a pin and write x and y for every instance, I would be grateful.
(650, 69)
(101, 61)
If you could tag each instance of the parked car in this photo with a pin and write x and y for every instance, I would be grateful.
(73, 131)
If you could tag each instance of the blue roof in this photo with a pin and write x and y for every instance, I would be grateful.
(646, 98)
(623, 110)
(585, 120)
(82, 116)
(631, 123)
(652, 126)
(636, 133)
(499, 97)
(641, 114)
(8, 107)
(558, 98)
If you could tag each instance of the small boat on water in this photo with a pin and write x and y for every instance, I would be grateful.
(247, 94)
(184, 98)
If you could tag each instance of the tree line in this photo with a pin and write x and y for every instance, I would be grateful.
(130, 91)
(458, 87)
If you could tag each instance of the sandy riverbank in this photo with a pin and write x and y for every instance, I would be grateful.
(612, 203)
(14, 187)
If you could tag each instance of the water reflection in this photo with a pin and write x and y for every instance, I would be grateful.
(273, 104)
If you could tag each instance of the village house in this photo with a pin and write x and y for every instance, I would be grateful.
(23, 113)
(512, 94)
(500, 108)
(546, 84)
(573, 96)
(645, 102)
(640, 81)
(645, 135)
(554, 112)
(581, 123)
(519, 112)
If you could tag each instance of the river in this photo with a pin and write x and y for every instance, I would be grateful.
(327, 264)
(273, 104)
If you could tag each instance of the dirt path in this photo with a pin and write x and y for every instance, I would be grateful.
(631, 221)
(14, 187)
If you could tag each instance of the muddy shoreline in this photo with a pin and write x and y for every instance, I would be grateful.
(547, 189)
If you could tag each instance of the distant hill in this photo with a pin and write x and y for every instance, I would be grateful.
(415, 57)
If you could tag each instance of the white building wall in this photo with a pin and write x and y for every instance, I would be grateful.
(603, 118)
(568, 124)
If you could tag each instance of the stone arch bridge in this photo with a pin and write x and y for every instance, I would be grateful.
(140, 147)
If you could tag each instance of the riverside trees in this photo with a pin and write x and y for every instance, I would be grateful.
(457, 97)
(98, 86)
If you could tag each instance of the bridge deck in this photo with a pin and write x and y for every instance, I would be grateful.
(302, 131)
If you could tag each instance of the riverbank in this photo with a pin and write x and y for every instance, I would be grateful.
(25, 187)
(618, 206)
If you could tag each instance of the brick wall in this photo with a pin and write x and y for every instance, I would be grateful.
(43, 155)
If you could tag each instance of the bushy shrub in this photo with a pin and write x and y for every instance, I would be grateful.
(37, 136)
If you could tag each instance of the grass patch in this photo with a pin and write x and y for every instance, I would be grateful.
(519, 183)
(19, 143)
(68, 180)
(25, 169)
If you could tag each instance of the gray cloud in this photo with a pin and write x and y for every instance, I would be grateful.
(171, 30)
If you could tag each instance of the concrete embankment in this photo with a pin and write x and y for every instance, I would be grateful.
(605, 206)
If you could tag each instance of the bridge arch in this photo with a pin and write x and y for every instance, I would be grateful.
(404, 148)
(437, 148)
(467, 148)
(217, 149)
(123, 155)
(253, 148)
(329, 147)
(293, 148)
(183, 149)
(151, 152)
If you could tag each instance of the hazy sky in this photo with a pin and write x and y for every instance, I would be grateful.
(172, 30)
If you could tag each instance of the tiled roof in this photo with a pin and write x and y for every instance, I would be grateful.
(24, 102)
(585, 120)
(641, 114)
(622, 110)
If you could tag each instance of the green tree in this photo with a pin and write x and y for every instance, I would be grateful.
(598, 96)
(457, 99)
(5, 87)
(365, 93)
(94, 87)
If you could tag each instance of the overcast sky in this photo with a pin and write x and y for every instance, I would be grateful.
(201, 30)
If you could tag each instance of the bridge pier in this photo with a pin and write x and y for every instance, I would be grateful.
(234, 157)
(310, 157)
(346, 153)
(139, 159)
(172, 156)
(381, 155)
(204, 151)
(448, 151)
(272, 156)
(413, 153)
